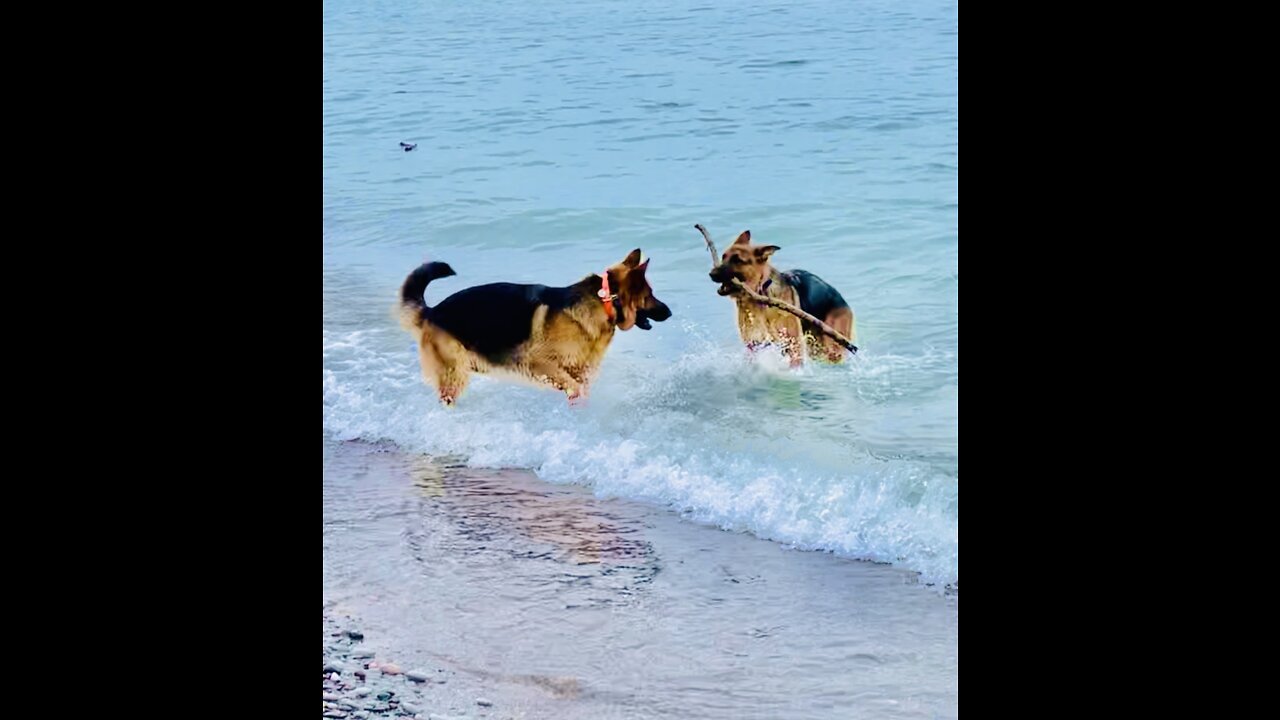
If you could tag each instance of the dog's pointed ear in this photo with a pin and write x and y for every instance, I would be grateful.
(633, 259)
(763, 253)
(636, 275)
(744, 238)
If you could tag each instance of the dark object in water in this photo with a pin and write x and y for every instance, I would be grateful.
(408, 146)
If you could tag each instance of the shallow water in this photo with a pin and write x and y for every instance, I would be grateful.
(555, 137)
(553, 603)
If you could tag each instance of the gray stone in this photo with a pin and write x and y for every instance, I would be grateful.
(334, 714)
(361, 654)
(362, 691)
(417, 675)
(331, 697)
(333, 666)
(409, 708)
(482, 702)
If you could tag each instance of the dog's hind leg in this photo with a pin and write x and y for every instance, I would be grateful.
(445, 365)
(453, 381)
(840, 320)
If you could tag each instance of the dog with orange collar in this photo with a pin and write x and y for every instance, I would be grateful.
(550, 336)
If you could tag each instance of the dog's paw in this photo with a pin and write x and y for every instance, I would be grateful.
(577, 396)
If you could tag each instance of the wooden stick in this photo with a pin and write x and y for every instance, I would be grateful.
(715, 256)
(774, 302)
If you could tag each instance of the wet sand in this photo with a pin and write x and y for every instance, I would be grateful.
(547, 602)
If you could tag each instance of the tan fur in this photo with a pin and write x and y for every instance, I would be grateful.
(822, 346)
(760, 324)
(564, 348)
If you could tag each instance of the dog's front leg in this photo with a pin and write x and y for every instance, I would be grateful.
(792, 340)
(557, 377)
(582, 376)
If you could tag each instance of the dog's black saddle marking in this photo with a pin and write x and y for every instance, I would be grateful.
(492, 320)
(816, 297)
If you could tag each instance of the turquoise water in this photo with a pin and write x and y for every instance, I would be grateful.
(552, 138)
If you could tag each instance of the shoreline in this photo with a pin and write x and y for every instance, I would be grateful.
(554, 603)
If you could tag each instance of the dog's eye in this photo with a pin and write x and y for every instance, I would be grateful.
(735, 260)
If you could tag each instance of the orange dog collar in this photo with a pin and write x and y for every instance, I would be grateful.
(606, 297)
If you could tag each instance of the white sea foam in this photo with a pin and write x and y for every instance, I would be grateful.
(744, 445)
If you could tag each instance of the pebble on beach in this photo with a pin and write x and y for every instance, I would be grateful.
(351, 677)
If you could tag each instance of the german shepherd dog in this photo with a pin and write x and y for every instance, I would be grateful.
(551, 336)
(759, 324)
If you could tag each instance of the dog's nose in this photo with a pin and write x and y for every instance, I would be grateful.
(660, 313)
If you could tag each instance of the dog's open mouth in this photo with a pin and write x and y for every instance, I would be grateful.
(721, 275)
(658, 313)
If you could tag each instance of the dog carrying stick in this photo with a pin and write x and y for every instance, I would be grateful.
(774, 302)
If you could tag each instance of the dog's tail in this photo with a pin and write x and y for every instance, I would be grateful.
(412, 303)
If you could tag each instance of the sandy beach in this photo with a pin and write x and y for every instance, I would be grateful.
(510, 597)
